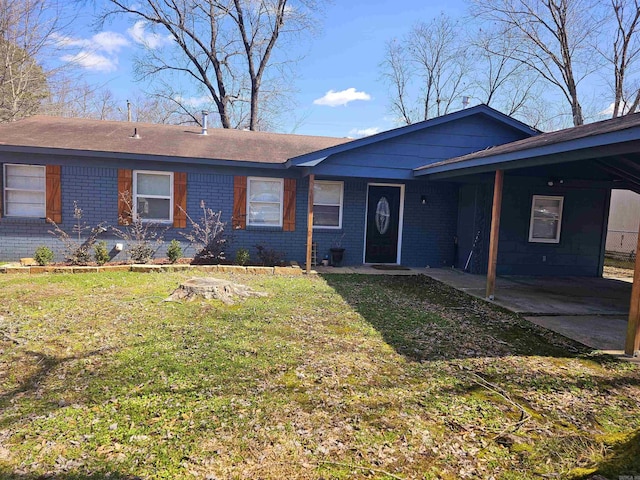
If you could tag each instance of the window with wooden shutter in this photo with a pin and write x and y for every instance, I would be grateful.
(54, 194)
(125, 196)
(289, 210)
(240, 202)
(25, 190)
(180, 199)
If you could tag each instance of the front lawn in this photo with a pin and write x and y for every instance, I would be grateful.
(341, 376)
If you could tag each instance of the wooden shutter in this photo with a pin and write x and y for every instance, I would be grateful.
(289, 209)
(53, 194)
(180, 199)
(240, 202)
(125, 196)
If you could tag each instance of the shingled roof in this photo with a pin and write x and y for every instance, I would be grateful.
(106, 137)
(538, 142)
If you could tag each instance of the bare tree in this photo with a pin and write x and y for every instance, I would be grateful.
(397, 73)
(427, 71)
(227, 48)
(623, 53)
(552, 38)
(26, 30)
(71, 97)
(153, 109)
(497, 79)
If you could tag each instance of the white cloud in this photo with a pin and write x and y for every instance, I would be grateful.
(193, 101)
(110, 42)
(343, 97)
(364, 132)
(150, 40)
(69, 42)
(97, 53)
(92, 61)
(607, 111)
(623, 109)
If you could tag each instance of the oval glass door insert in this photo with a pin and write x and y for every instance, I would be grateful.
(383, 214)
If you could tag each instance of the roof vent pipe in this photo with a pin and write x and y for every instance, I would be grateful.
(465, 101)
(205, 117)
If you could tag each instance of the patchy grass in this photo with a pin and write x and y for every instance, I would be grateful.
(345, 376)
(624, 263)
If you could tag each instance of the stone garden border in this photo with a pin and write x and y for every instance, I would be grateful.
(292, 270)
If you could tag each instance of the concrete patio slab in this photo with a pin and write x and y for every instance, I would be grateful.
(602, 333)
(545, 295)
(592, 311)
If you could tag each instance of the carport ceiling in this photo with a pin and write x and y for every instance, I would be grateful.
(620, 171)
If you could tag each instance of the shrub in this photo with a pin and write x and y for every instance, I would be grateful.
(174, 251)
(268, 256)
(100, 252)
(77, 250)
(242, 257)
(207, 237)
(141, 252)
(143, 238)
(43, 255)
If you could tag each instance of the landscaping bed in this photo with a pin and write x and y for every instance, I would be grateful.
(149, 268)
(334, 376)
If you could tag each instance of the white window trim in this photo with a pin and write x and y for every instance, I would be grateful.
(249, 202)
(329, 227)
(533, 204)
(5, 189)
(135, 196)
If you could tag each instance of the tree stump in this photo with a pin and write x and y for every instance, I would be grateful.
(212, 288)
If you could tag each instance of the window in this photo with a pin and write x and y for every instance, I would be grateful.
(546, 219)
(24, 191)
(153, 195)
(327, 204)
(264, 200)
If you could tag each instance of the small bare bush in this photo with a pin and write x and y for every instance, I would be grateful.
(143, 237)
(207, 237)
(78, 250)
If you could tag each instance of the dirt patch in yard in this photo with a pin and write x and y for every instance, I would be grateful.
(617, 272)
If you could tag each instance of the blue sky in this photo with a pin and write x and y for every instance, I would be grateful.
(343, 57)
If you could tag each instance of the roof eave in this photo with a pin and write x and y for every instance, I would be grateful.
(589, 147)
(140, 156)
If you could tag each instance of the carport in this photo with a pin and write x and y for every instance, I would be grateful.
(565, 305)
(585, 162)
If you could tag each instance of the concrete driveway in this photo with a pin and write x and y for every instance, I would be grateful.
(592, 311)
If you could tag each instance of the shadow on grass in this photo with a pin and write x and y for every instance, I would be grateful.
(104, 474)
(46, 364)
(425, 320)
(623, 460)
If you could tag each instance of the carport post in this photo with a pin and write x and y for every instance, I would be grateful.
(632, 344)
(493, 239)
(312, 179)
